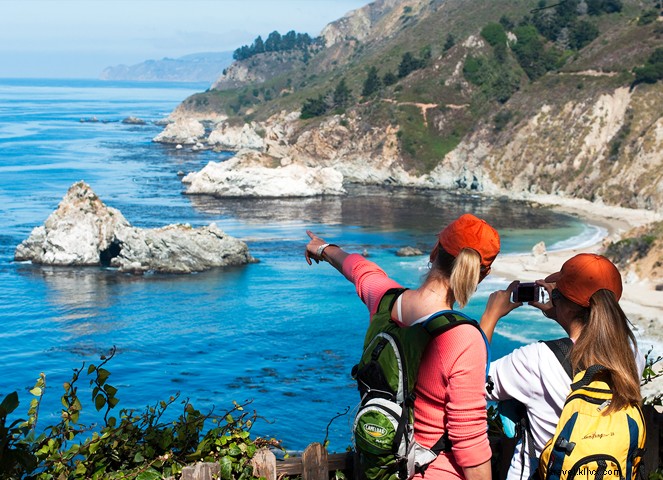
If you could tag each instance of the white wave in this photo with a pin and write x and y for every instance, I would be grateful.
(590, 235)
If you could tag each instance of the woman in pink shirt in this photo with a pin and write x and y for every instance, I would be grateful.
(449, 392)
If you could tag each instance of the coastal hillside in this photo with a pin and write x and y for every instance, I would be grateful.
(197, 67)
(504, 97)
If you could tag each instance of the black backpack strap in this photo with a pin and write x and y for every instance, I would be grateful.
(442, 445)
(395, 293)
(440, 322)
(588, 376)
(437, 324)
(562, 350)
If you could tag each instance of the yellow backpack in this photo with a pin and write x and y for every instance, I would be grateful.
(590, 445)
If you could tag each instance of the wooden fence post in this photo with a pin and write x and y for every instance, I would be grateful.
(201, 471)
(314, 462)
(264, 464)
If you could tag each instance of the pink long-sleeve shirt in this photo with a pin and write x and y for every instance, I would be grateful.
(450, 385)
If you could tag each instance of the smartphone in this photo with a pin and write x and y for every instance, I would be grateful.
(527, 292)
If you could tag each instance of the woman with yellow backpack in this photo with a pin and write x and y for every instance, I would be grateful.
(589, 425)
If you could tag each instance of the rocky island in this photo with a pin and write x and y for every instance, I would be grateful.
(83, 231)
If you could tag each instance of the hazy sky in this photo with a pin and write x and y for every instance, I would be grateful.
(79, 38)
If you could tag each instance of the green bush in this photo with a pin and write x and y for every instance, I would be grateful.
(629, 249)
(494, 34)
(648, 17)
(582, 34)
(652, 70)
(131, 444)
(598, 7)
(531, 52)
(496, 79)
(502, 119)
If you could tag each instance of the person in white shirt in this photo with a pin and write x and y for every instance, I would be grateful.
(584, 299)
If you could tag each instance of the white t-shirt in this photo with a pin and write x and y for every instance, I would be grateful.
(535, 377)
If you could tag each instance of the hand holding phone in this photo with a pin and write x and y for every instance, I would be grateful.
(527, 292)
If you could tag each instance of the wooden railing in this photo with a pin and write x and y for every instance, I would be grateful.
(316, 464)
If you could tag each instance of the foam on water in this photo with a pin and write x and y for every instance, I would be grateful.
(590, 235)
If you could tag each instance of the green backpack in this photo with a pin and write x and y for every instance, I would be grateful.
(386, 375)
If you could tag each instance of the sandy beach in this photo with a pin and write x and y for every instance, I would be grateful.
(640, 301)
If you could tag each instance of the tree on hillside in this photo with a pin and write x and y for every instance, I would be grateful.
(495, 35)
(289, 41)
(450, 42)
(652, 71)
(506, 23)
(582, 34)
(597, 7)
(372, 83)
(551, 21)
(342, 94)
(531, 53)
(276, 43)
(273, 42)
(314, 107)
(409, 63)
(389, 78)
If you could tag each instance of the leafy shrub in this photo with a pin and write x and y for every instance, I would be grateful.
(648, 17)
(494, 34)
(502, 119)
(496, 79)
(132, 444)
(597, 7)
(652, 70)
(629, 249)
(582, 34)
(531, 53)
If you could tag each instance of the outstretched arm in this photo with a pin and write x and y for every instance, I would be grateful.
(317, 249)
(370, 281)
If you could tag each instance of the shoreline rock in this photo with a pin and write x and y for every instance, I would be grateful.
(182, 131)
(83, 231)
(224, 179)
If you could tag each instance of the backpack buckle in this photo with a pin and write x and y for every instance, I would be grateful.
(565, 445)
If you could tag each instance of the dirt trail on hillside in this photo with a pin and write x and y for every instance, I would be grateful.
(424, 107)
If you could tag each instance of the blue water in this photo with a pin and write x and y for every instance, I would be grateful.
(280, 333)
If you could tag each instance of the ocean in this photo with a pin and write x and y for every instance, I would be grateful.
(279, 334)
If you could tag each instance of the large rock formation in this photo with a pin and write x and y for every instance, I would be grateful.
(183, 131)
(225, 179)
(84, 231)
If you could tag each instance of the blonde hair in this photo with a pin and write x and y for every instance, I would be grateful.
(606, 339)
(465, 275)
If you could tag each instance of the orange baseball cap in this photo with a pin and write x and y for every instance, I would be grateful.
(584, 275)
(468, 231)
